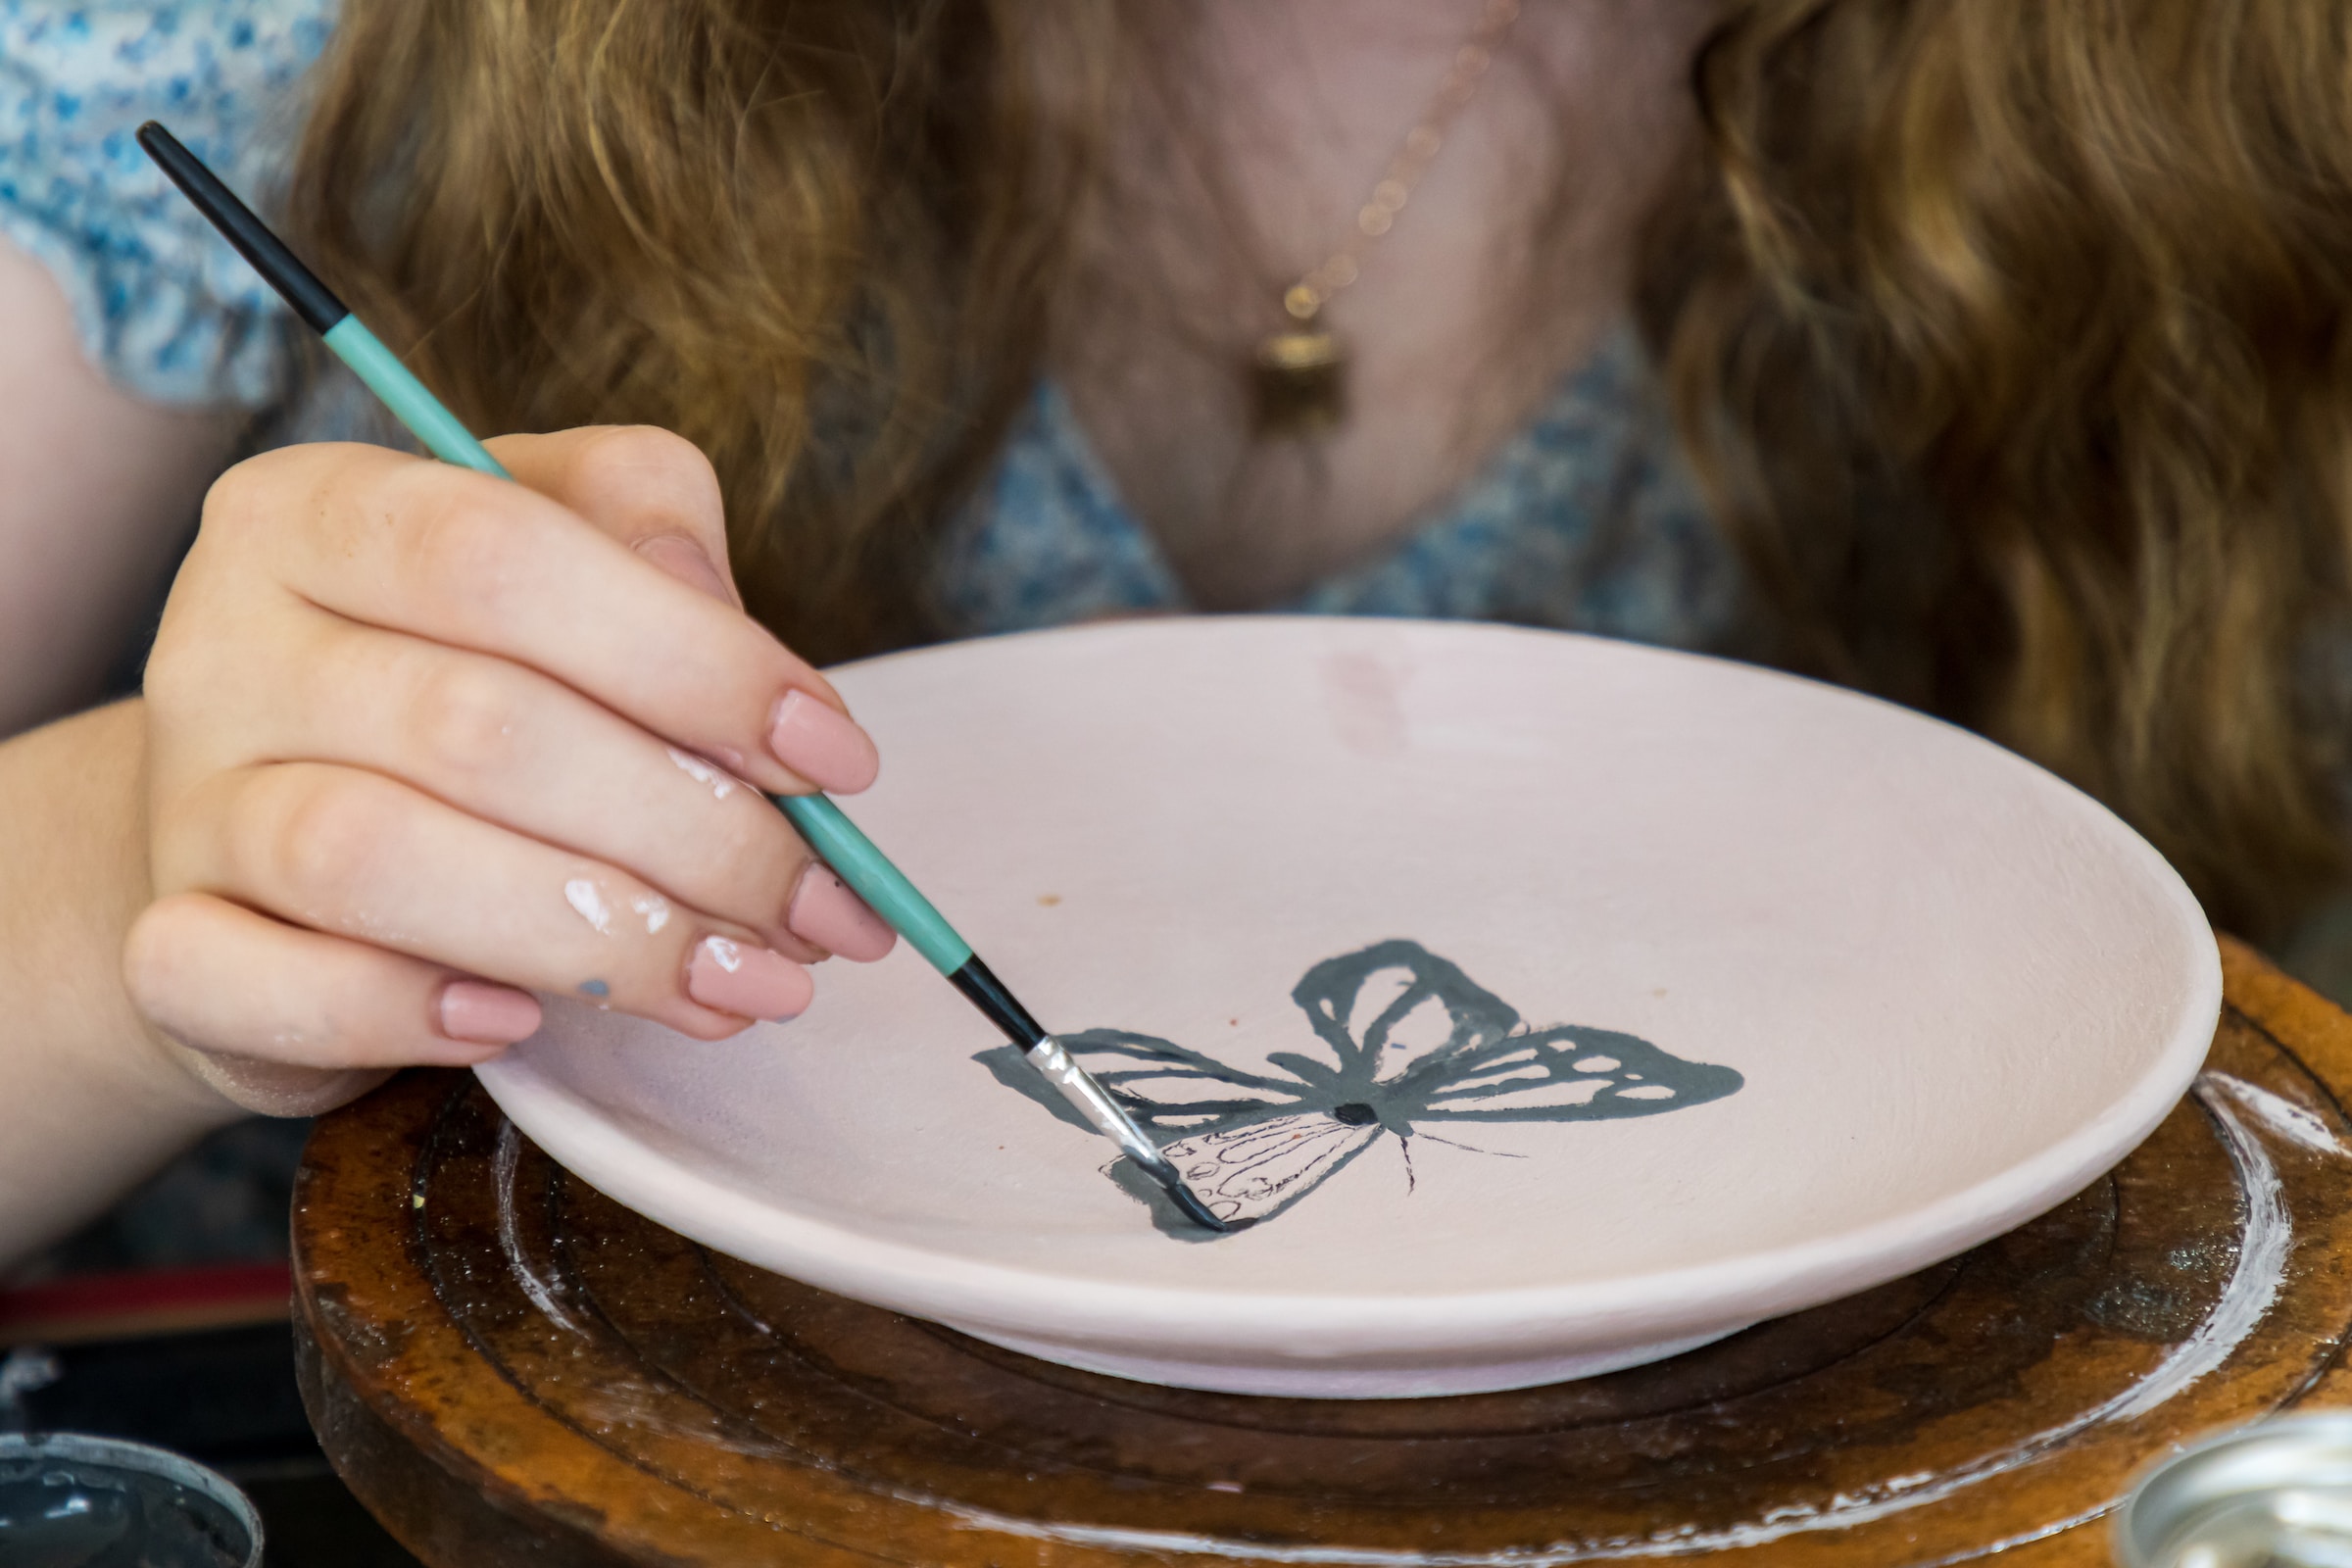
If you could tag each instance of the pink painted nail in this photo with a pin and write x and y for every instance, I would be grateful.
(684, 559)
(821, 745)
(826, 913)
(748, 982)
(485, 1014)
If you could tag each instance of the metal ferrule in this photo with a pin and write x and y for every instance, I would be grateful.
(1110, 1119)
(1093, 1102)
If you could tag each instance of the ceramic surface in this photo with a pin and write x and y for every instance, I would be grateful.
(1551, 1004)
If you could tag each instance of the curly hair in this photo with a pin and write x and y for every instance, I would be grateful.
(2012, 338)
(2009, 337)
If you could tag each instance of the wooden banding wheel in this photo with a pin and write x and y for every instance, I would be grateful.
(509, 1369)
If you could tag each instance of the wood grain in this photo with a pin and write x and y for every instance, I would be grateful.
(509, 1369)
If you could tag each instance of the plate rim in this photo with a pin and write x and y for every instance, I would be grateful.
(1289, 1327)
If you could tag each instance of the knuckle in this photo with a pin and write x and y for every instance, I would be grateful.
(175, 679)
(265, 489)
(467, 550)
(742, 865)
(235, 497)
(649, 467)
(464, 717)
(311, 835)
(618, 450)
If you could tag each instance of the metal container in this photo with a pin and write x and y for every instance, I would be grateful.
(2276, 1494)
(98, 1503)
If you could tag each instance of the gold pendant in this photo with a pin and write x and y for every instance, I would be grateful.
(1297, 383)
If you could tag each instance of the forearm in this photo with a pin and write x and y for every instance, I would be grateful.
(100, 488)
(89, 1102)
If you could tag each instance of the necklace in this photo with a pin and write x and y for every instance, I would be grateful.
(1299, 374)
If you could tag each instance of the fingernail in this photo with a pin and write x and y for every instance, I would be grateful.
(748, 982)
(826, 913)
(820, 744)
(485, 1015)
(684, 559)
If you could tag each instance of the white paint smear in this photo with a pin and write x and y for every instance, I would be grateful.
(708, 774)
(653, 908)
(2281, 1116)
(2264, 1242)
(503, 1166)
(587, 899)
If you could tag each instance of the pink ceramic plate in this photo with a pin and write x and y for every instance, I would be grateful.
(1550, 1003)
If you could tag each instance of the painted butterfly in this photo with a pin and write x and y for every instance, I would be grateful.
(1409, 1044)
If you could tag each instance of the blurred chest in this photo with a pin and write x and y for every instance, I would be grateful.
(1480, 225)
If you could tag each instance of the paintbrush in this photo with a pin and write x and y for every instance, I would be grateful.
(834, 837)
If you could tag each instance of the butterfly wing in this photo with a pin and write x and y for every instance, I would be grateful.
(1387, 1007)
(1164, 1087)
(1253, 1172)
(1569, 1073)
(1256, 1151)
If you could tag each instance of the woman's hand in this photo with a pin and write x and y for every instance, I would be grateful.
(423, 742)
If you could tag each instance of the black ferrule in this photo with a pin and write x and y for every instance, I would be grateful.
(312, 300)
(988, 994)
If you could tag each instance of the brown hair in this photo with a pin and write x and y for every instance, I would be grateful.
(2009, 335)
(814, 237)
(2015, 346)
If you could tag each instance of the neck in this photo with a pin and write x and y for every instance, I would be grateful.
(1244, 147)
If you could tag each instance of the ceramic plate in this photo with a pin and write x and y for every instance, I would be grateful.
(1550, 1005)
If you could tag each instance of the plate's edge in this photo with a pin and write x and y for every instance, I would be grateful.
(1286, 1328)
(1038, 1304)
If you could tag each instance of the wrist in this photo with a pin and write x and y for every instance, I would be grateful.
(95, 1101)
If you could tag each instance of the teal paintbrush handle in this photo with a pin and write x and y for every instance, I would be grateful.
(850, 853)
(870, 875)
(389, 379)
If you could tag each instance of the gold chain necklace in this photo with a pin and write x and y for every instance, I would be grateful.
(1299, 376)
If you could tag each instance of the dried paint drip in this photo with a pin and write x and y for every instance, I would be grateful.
(1410, 1045)
(542, 1293)
(2283, 1117)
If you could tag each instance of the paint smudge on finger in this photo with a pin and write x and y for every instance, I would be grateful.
(708, 775)
(587, 901)
(653, 909)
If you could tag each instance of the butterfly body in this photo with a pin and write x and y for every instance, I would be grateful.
(1411, 1048)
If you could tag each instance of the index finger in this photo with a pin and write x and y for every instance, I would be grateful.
(438, 551)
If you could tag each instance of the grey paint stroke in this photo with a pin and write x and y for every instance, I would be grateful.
(1256, 1144)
